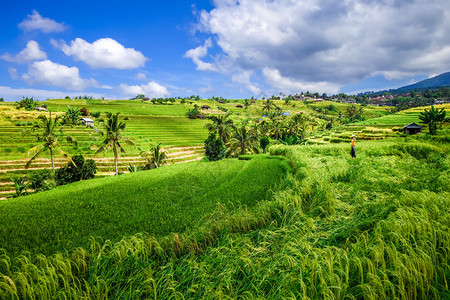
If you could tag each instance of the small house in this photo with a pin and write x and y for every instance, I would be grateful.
(205, 107)
(87, 121)
(239, 106)
(41, 108)
(412, 128)
(201, 116)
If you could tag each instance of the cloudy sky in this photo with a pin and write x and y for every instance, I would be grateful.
(227, 48)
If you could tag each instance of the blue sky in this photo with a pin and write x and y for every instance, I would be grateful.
(233, 49)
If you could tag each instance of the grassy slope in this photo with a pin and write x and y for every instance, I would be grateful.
(160, 201)
(148, 123)
(376, 227)
(401, 118)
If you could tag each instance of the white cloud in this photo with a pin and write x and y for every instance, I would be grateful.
(30, 53)
(37, 22)
(103, 53)
(13, 73)
(244, 78)
(13, 94)
(141, 76)
(49, 73)
(207, 89)
(274, 78)
(327, 43)
(197, 53)
(150, 90)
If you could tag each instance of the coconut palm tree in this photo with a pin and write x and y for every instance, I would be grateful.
(155, 158)
(48, 137)
(268, 105)
(434, 118)
(114, 138)
(222, 125)
(243, 141)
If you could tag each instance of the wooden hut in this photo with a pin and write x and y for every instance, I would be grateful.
(87, 121)
(412, 128)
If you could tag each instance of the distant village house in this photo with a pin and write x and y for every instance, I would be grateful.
(41, 108)
(412, 128)
(87, 121)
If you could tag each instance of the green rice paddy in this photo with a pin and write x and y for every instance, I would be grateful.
(305, 222)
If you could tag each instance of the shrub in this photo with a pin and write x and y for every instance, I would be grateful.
(214, 148)
(27, 103)
(21, 150)
(42, 180)
(264, 143)
(82, 170)
(84, 111)
(95, 114)
(192, 113)
(337, 140)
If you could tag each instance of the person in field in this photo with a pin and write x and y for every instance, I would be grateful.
(352, 152)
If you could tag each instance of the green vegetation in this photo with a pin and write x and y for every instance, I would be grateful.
(159, 201)
(113, 129)
(215, 148)
(155, 158)
(433, 118)
(77, 169)
(48, 138)
(20, 186)
(303, 222)
(375, 227)
(27, 103)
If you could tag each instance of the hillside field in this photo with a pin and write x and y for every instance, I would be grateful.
(376, 227)
(300, 222)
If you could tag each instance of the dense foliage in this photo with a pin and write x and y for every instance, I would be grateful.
(433, 118)
(214, 148)
(375, 227)
(77, 169)
(42, 180)
(27, 103)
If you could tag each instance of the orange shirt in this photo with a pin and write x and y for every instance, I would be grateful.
(353, 142)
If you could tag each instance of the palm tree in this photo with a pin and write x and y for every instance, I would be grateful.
(221, 125)
(433, 117)
(243, 141)
(268, 105)
(49, 139)
(20, 186)
(72, 116)
(113, 137)
(155, 158)
(159, 156)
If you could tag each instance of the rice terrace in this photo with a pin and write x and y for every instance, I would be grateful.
(225, 149)
(220, 198)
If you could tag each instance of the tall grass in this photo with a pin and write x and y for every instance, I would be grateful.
(368, 228)
(160, 201)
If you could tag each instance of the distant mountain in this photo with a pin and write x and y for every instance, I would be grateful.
(430, 83)
(442, 80)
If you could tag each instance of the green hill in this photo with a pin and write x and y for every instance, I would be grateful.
(160, 201)
(374, 227)
(430, 83)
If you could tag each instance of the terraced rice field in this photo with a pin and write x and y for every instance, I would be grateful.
(105, 165)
